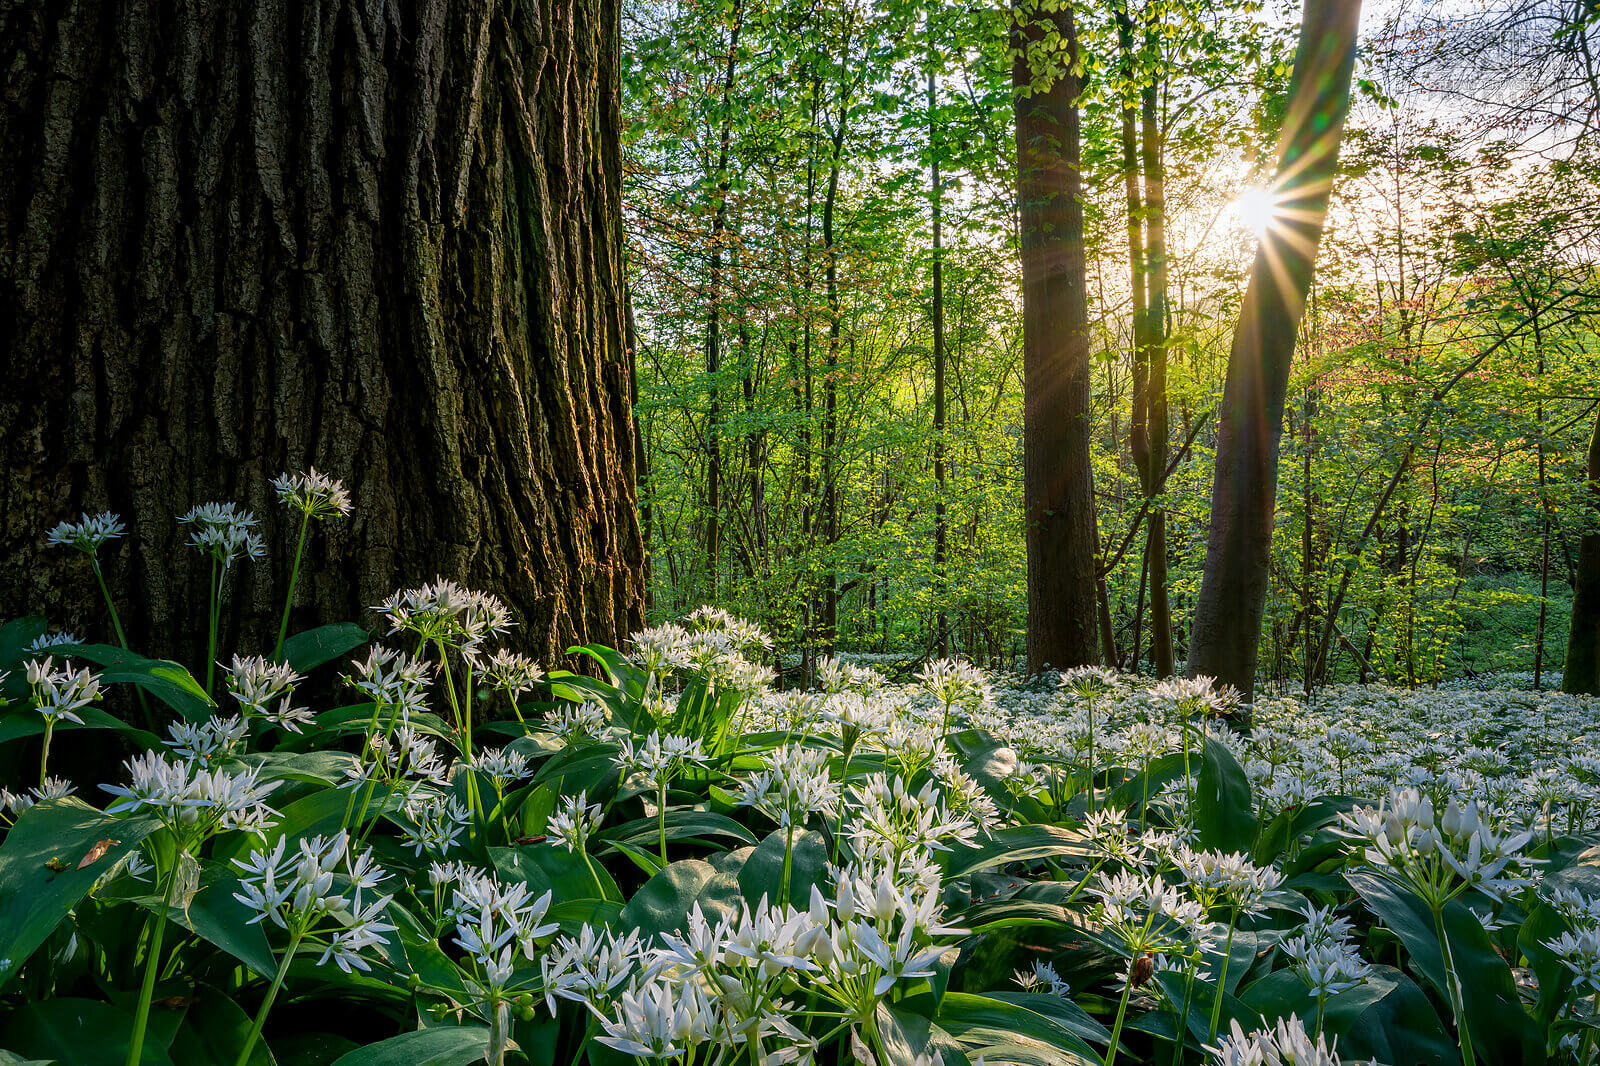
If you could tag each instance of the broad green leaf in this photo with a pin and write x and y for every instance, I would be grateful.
(76, 1032)
(167, 681)
(1502, 1031)
(33, 897)
(762, 874)
(454, 1045)
(310, 649)
(213, 1032)
(1019, 843)
(1004, 1032)
(216, 916)
(1223, 816)
(15, 725)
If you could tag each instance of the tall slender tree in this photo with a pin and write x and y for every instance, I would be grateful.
(1233, 589)
(1058, 485)
(1582, 672)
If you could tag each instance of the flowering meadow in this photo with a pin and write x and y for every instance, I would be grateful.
(473, 857)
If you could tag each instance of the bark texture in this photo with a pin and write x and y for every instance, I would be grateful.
(1233, 590)
(380, 237)
(1582, 672)
(1058, 486)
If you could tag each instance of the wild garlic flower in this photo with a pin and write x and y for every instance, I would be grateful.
(731, 631)
(661, 649)
(1217, 879)
(406, 759)
(194, 802)
(1145, 915)
(792, 785)
(255, 682)
(512, 673)
(889, 820)
(658, 1019)
(955, 683)
(321, 892)
(661, 758)
(592, 966)
(576, 723)
(391, 678)
(1440, 857)
(224, 531)
(213, 740)
(1042, 977)
(51, 788)
(964, 795)
(496, 921)
(47, 641)
(1579, 952)
(434, 823)
(1286, 1044)
(1089, 682)
(1328, 967)
(835, 676)
(312, 494)
(501, 765)
(572, 822)
(87, 533)
(59, 694)
(448, 613)
(1195, 695)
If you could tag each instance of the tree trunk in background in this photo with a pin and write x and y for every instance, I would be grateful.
(1582, 672)
(1058, 487)
(1233, 590)
(1155, 549)
(935, 196)
(380, 238)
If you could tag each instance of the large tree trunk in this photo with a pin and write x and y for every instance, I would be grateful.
(1582, 672)
(377, 237)
(1233, 590)
(1058, 487)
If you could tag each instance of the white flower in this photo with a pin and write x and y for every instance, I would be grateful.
(1286, 1044)
(436, 823)
(87, 533)
(314, 495)
(321, 883)
(224, 531)
(446, 612)
(59, 694)
(191, 801)
(572, 823)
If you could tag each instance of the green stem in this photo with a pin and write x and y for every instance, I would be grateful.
(266, 1004)
(788, 854)
(661, 814)
(44, 754)
(216, 613)
(1222, 980)
(152, 963)
(116, 620)
(1181, 1036)
(294, 577)
(1452, 983)
(1122, 1012)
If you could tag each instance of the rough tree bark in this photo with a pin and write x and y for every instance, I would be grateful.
(1058, 487)
(377, 237)
(1581, 674)
(1233, 590)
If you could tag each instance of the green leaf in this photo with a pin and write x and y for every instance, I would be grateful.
(1224, 816)
(167, 681)
(445, 1046)
(214, 1031)
(663, 903)
(33, 897)
(1000, 1030)
(29, 723)
(762, 873)
(310, 649)
(1502, 1032)
(76, 1032)
(1015, 844)
(216, 916)
(681, 825)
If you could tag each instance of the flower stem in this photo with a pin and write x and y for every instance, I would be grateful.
(216, 614)
(1222, 980)
(1452, 982)
(44, 753)
(661, 814)
(266, 1004)
(1122, 1012)
(152, 963)
(294, 576)
(788, 858)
